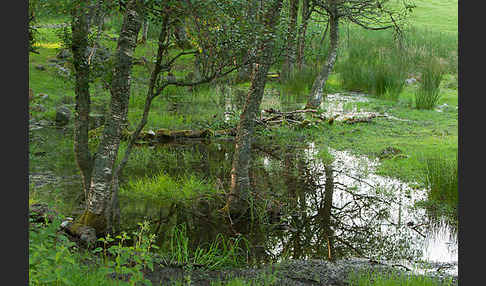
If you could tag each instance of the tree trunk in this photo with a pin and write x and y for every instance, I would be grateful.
(316, 94)
(240, 182)
(97, 214)
(288, 66)
(80, 31)
(152, 92)
(145, 26)
(302, 33)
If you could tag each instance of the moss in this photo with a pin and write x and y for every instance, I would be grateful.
(96, 221)
(96, 134)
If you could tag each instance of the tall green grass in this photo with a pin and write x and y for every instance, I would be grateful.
(364, 278)
(428, 94)
(220, 253)
(376, 63)
(441, 179)
(297, 87)
(388, 77)
(164, 189)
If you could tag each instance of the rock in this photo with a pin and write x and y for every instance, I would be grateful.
(40, 67)
(62, 71)
(63, 115)
(101, 53)
(411, 80)
(67, 223)
(444, 107)
(44, 123)
(54, 61)
(64, 54)
(38, 108)
(389, 152)
(42, 96)
(39, 180)
(288, 273)
(87, 235)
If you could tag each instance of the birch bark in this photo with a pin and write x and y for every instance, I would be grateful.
(98, 202)
(240, 191)
(317, 92)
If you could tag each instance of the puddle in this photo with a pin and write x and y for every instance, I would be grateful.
(433, 243)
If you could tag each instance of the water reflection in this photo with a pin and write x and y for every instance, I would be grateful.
(312, 209)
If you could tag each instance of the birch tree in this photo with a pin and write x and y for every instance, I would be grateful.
(97, 169)
(239, 194)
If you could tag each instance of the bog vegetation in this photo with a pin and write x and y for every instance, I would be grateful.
(148, 119)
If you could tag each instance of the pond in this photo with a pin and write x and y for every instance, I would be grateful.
(324, 205)
(310, 202)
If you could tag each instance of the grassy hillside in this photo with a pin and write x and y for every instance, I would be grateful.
(436, 15)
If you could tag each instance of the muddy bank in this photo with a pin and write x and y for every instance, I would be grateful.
(288, 273)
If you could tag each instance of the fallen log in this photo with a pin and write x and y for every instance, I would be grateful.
(166, 135)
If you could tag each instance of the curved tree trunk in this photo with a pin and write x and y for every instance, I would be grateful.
(98, 206)
(240, 181)
(317, 91)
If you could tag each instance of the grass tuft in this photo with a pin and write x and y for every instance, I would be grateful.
(441, 180)
(428, 93)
